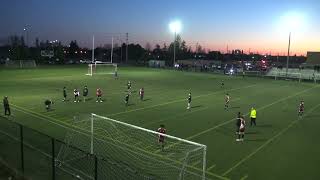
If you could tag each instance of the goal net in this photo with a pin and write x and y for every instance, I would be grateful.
(21, 64)
(102, 68)
(126, 151)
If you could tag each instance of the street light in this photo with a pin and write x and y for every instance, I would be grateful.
(175, 27)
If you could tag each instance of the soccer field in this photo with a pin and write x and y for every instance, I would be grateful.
(281, 146)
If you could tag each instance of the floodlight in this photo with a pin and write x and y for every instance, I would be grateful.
(175, 26)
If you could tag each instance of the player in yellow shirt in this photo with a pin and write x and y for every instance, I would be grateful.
(253, 116)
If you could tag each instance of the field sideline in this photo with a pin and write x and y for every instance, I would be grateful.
(280, 147)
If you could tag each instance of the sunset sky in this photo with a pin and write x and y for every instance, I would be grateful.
(260, 25)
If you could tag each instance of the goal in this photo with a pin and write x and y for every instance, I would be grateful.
(102, 68)
(21, 64)
(133, 152)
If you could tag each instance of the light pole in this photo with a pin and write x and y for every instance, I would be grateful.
(291, 21)
(288, 56)
(174, 48)
(175, 27)
(26, 35)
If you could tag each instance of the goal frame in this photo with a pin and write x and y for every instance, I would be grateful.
(93, 66)
(200, 146)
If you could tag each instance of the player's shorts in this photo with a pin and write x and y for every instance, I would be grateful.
(253, 119)
(85, 95)
(241, 130)
(99, 95)
(161, 140)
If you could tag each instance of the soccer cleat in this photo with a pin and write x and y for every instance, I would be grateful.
(74, 101)
(101, 101)
(97, 101)
(237, 140)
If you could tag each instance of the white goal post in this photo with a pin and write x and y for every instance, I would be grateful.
(137, 148)
(102, 68)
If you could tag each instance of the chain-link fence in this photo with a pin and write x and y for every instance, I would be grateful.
(35, 155)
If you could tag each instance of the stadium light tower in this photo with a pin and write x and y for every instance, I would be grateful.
(25, 30)
(175, 27)
(292, 21)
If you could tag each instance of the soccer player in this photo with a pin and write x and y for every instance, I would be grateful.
(141, 93)
(241, 129)
(64, 94)
(301, 109)
(238, 123)
(189, 101)
(48, 104)
(161, 130)
(227, 101)
(76, 94)
(253, 116)
(126, 100)
(129, 87)
(99, 95)
(85, 93)
(6, 106)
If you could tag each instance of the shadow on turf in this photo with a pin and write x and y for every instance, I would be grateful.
(147, 99)
(194, 107)
(256, 140)
(252, 133)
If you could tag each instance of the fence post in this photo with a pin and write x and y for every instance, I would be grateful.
(53, 159)
(21, 148)
(95, 167)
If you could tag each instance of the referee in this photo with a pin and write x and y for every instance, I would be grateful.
(253, 116)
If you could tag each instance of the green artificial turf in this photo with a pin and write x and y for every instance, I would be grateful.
(281, 146)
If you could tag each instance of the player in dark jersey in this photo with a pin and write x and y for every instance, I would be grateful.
(161, 130)
(189, 101)
(6, 106)
(76, 94)
(227, 101)
(85, 93)
(64, 94)
(126, 100)
(141, 93)
(301, 109)
(48, 104)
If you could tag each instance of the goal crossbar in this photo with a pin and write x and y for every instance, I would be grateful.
(150, 131)
(92, 68)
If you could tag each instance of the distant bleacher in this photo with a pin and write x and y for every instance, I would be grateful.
(294, 73)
